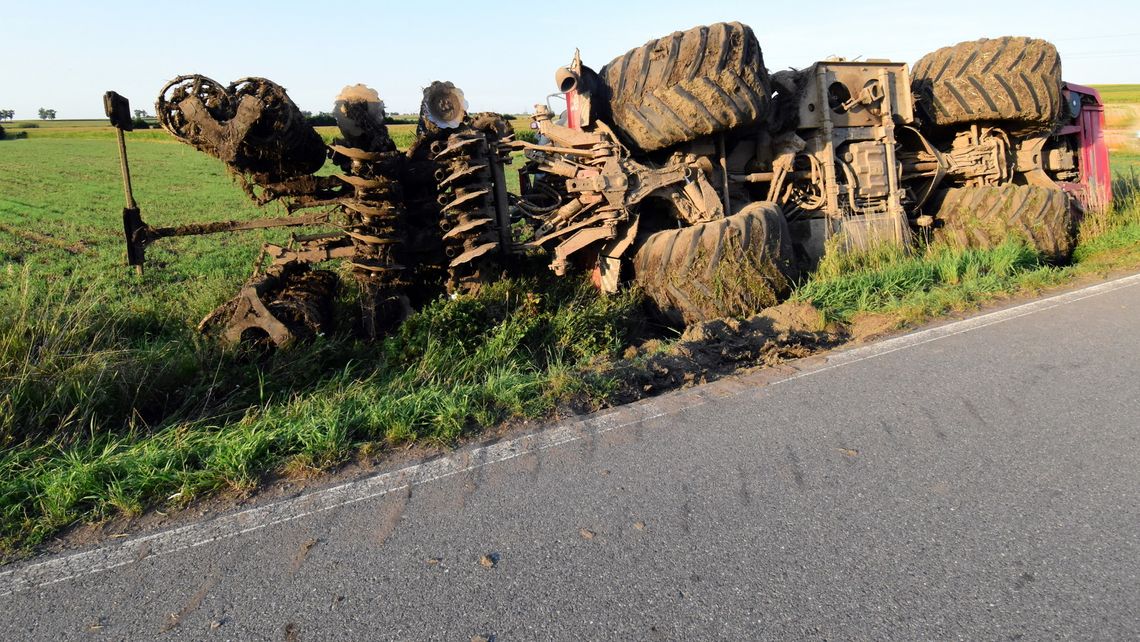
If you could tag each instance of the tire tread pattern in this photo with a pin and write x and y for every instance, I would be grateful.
(688, 84)
(732, 266)
(984, 217)
(1010, 79)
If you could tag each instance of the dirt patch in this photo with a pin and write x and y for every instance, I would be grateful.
(195, 601)
(796, 316)
(302, 553)
(709, 350)
(867, 326)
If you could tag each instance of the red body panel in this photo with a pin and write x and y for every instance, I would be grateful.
(1095, 188)
(572, 117)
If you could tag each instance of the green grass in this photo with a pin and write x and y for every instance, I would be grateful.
(88, 123)
(93, 133)
(1118, 94)
(111, 403)
(935, 279)
(920, 285)
(1125, 162)
(453, 368)
(403, 134)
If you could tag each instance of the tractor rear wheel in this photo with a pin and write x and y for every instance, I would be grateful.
(984, 217)
(732, 266)
(1009, 79)
(688, 84)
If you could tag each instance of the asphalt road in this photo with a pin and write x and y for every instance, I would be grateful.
(977, 481)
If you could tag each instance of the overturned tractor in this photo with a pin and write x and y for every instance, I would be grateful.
(683, 166)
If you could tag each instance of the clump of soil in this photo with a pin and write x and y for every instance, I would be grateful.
(867, 326)
(712, 349)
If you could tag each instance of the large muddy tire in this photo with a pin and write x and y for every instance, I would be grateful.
(688, 84)
(1011, 79)
(985, 217)
(729, 267)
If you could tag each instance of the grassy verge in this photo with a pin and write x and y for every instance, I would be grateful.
(76, 396)
(912, 287)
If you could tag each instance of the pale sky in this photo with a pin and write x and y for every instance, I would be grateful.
(63, 55)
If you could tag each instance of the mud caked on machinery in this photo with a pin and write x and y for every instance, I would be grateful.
(683, 166)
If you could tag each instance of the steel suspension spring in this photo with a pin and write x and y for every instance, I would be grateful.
(466, 197)
(373, 220)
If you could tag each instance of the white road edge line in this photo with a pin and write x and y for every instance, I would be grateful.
(880, 348)
(60, 569)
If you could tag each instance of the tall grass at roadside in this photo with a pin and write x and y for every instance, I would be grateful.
(1111, 236)
(66, 366)
(454, 366)
(935, 278)
(932, 280)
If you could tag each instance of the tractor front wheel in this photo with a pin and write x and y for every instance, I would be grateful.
(688, 84)
(1014, 80)
(984, 217)
(729, 267)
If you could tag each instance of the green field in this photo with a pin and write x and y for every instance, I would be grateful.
(402, 133)
(1118, 94)
(56, 124)
(111, 403)
(1125, 162)
(105, 369)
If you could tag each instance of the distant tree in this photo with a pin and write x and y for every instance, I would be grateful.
(47, 114)
(7, 114)
(141, 114)
(322, 119)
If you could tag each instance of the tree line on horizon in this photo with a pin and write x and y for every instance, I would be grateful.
(44, 114)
